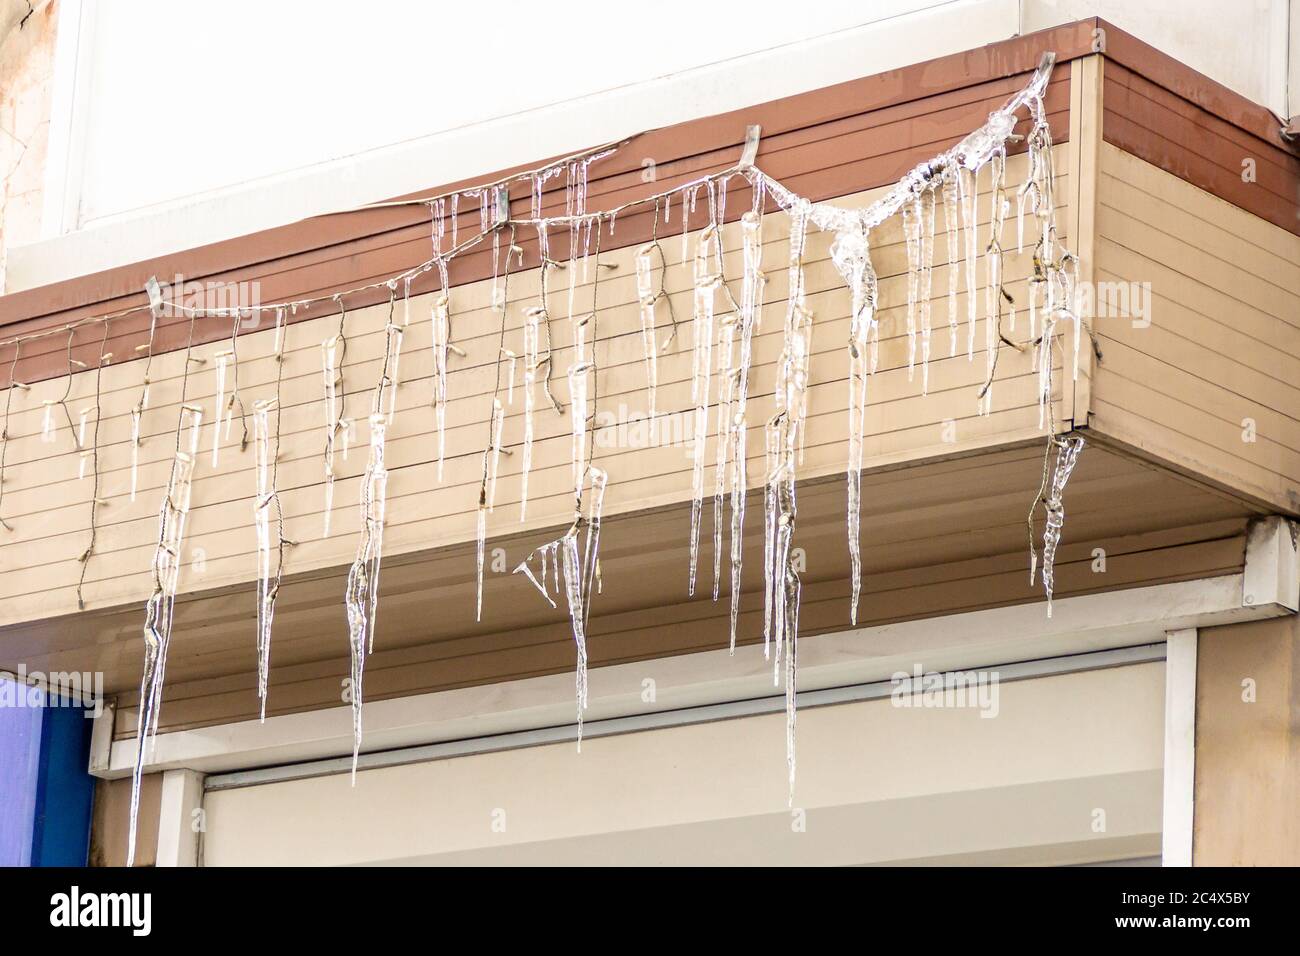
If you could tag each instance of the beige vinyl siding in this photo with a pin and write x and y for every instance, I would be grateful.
(48, 506)
(1223, 346)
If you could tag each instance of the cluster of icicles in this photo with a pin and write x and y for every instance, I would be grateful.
(723, 333)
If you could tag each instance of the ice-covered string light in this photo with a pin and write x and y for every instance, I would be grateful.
(574, 557)
(536, 361)
(235, 397)
(496, 419)
(648, 297)
(334, 352)
(784, 437)
(707, 279)
(733, 416)
(361, 598)
(84, 558)
(137, 412)
(267, 500)
(160, 608)
(14, 385)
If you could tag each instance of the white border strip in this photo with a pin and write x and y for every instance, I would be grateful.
(1180, 748)
(974, 639)
(773, 703)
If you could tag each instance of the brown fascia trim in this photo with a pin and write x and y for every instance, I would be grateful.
(311, 251)
(1197, 88)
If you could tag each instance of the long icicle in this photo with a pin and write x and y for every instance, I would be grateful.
(330, 374)
(751, 310)
(851, 255)
(784, 438)
(263, 504)
(1067, 456)
(707, 282)
(575, 559)
(533, 318)
(161, 606)
(361, 597)
(647, 297)
(440, 317)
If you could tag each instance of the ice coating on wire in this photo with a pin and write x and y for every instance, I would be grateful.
(574, 559)
(161, 606)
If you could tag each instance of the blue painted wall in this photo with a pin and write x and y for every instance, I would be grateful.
(46, 795)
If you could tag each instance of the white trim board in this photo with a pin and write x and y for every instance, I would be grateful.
(979, 638)
(1180, 748)
(652, 720)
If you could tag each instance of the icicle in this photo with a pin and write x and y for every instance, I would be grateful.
(218, 406)
(993, 290)
(1070, 304)
(578, 413)
(496, 425)
(784, 437)
(135, 449)
(278, 347)
(361, 597)
(510, 358)
(394, 347)
(81, 426)
(783, 588)
(47, 423)
(159, 610)
(950, 219)
(727, 333)
(968, 184)
(480, 542)
(1067, 455)
(575, 556)
(688, 207)
(912, 241)
(647, 298)
(330, 375)
(533, 318)
(751, 307)
(851, 255)
(441, 320)
(925, 281)
(265, 500)
(487, 495)
(707, 283)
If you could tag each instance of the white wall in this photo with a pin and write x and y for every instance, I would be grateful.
(1069, 771)
(193, 123)
(1240, 43)
(274, 87)
(178, 124)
